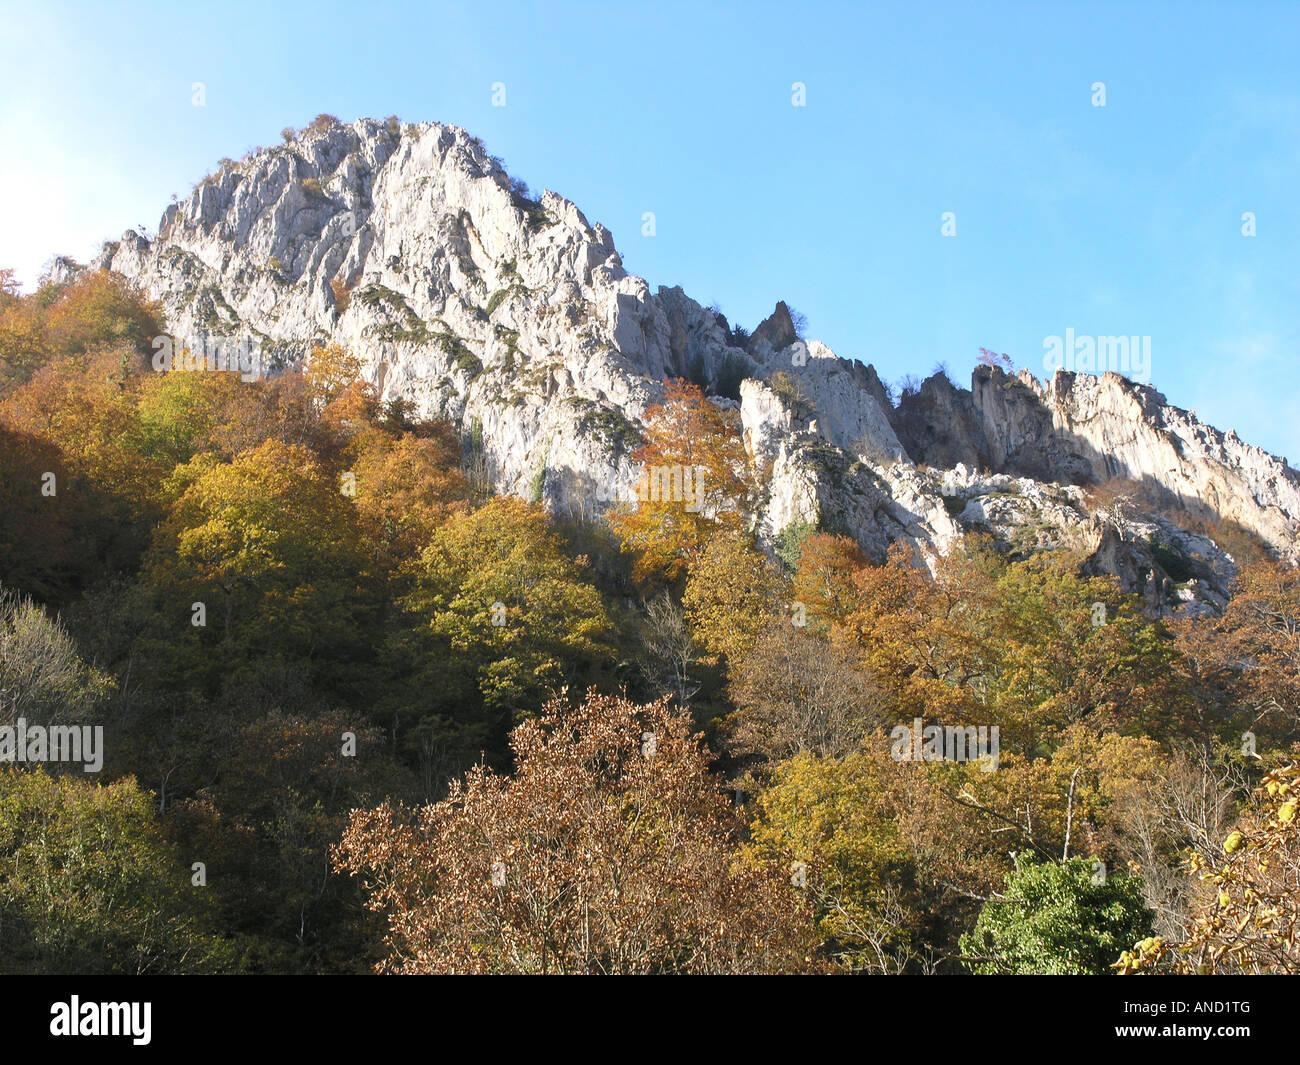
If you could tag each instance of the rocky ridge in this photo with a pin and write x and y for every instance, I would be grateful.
(514, 318)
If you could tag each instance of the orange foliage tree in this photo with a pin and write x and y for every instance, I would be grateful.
(696, 480)
(824, 578)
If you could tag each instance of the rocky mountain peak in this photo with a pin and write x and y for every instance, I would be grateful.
(513, 317)
(776, 332)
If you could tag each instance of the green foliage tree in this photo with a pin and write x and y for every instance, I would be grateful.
(730, 595)
(40, 552)
(496, 589)
(88, 883)
(1058, 919)
(43, 678)
(264, 823)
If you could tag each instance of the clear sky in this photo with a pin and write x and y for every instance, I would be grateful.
(1123, 219)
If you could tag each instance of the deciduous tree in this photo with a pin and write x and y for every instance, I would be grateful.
(694, 444)
(609, 850)
(514, 610)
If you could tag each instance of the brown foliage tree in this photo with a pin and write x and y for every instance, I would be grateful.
(795, 692)
(406, 489)
(1248, 660)
(101, 308)
(610, 850)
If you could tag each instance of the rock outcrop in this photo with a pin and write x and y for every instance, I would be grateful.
(514, 318)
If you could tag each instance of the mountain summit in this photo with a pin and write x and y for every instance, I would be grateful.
(514, 318)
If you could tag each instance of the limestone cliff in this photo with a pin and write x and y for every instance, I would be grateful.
(514, 318)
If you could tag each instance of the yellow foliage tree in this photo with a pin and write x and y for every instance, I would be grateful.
(330, 369)
(1248, 918)
(730, 595)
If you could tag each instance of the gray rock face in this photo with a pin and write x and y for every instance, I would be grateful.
(939, 426)
(775, 333)
(515, 319)
(1084, 429)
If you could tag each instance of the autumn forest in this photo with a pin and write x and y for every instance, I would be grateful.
(360, 714)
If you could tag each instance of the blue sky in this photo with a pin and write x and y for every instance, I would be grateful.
(1124, 219)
